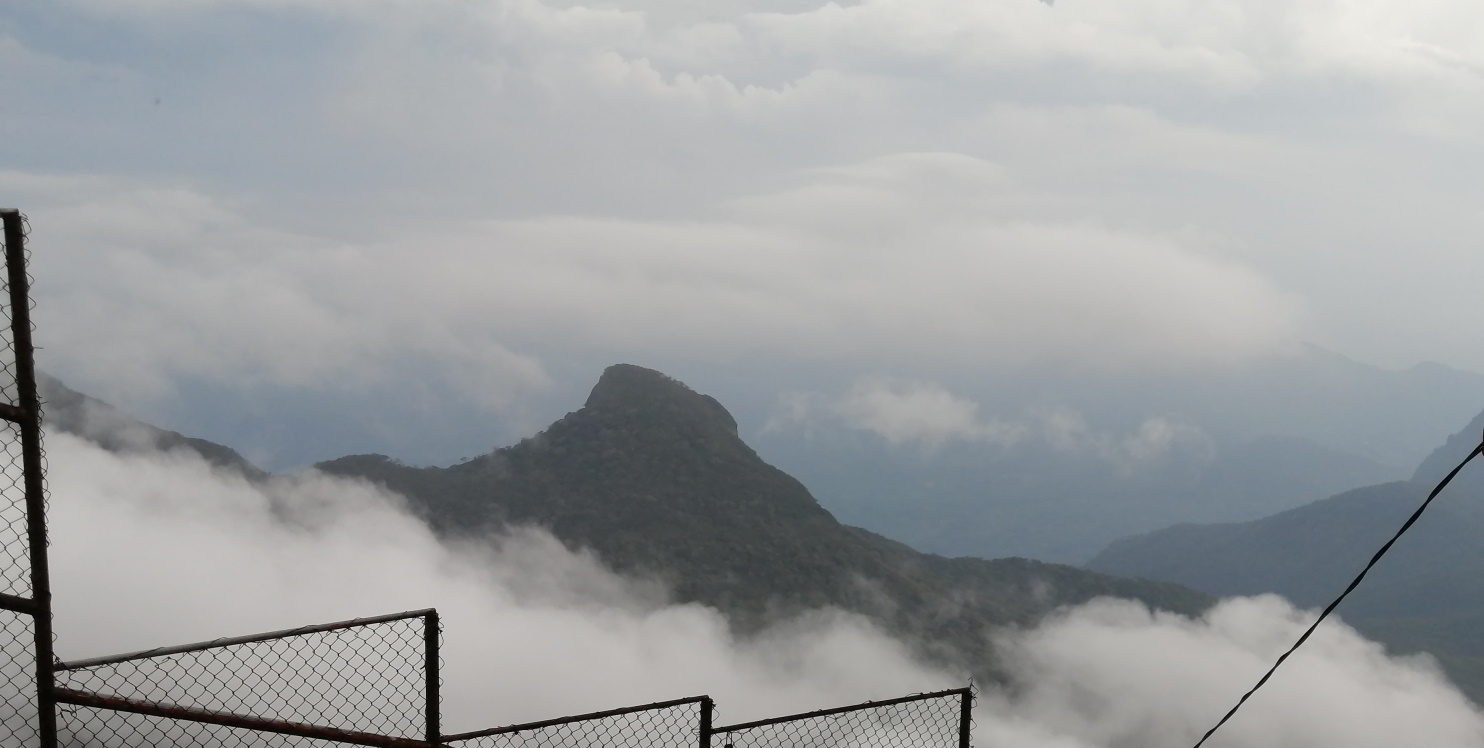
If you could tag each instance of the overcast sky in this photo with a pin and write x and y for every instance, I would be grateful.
(406, 208)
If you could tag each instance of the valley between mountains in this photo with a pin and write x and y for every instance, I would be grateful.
(653, 478)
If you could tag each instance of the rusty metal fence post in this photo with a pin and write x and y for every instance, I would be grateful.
(966, 716)
(432, 633)
(708, 709)
(21, 407)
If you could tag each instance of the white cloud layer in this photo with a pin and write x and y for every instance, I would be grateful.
(156, 551)
(921, 412)
(469, 196)
(960, 181)
(884, 260)
(150, 551)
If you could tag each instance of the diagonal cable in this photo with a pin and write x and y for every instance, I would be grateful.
(1353, 584)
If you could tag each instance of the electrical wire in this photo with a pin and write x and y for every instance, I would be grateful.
(1353, 584)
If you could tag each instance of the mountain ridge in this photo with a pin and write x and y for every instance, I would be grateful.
(69, 411)
(653, 478)
(1425, 596)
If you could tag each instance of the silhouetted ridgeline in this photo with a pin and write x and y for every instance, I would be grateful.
(72, 412)
(653, 477)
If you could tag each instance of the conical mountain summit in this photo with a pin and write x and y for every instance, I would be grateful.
(653, 477)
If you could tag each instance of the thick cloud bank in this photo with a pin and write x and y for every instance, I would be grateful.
(151, 551)
(1112, 674)
(910, 258)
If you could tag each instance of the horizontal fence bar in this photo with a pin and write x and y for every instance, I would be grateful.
(14, 413)
(229, 641)
(841, 710)
(19, 604)
(574, 718)
(259, 724)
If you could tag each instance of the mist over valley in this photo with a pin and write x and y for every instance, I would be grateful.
(638, 550)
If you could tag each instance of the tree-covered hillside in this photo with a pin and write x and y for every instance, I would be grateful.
(654, 478)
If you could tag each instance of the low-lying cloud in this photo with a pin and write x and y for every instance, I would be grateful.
(152, 550)
(928, 415)
(920, 412)
(1112, 674)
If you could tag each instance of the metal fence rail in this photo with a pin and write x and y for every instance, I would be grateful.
(942, 719)
(682, 723)
(369, 681)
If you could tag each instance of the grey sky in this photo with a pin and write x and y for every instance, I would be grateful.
(481, 202)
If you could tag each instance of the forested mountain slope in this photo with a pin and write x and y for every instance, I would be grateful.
(654, 478)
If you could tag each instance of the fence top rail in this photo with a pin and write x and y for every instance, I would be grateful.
(228, 641)
(842, 710)
(240, 721)
(574, 718)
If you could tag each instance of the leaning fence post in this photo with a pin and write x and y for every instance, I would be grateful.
(431, 669)
(30, 427)
(965, 716)
(706, 707)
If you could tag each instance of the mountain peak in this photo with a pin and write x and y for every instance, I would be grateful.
(626, 389)
(1449, 454)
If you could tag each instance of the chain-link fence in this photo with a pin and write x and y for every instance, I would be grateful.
(932, 720)
(353, 681)
(18, 696)
(15, 576)
(683, 723)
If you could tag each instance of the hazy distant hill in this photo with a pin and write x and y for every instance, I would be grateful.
(1263, 439)
(654, 478)
(72, 412)
(1034, 500)
(1427, 594)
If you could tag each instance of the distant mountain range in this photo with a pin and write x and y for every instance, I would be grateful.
(654, 479)
(1248, 443)
(1427, 594)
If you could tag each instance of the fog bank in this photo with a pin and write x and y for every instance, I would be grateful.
(154, 550)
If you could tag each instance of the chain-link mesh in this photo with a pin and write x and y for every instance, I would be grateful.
(88, 727)
(18, 724)
(935, 721)
(670, 725)
(367, 678)
(15, 564)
